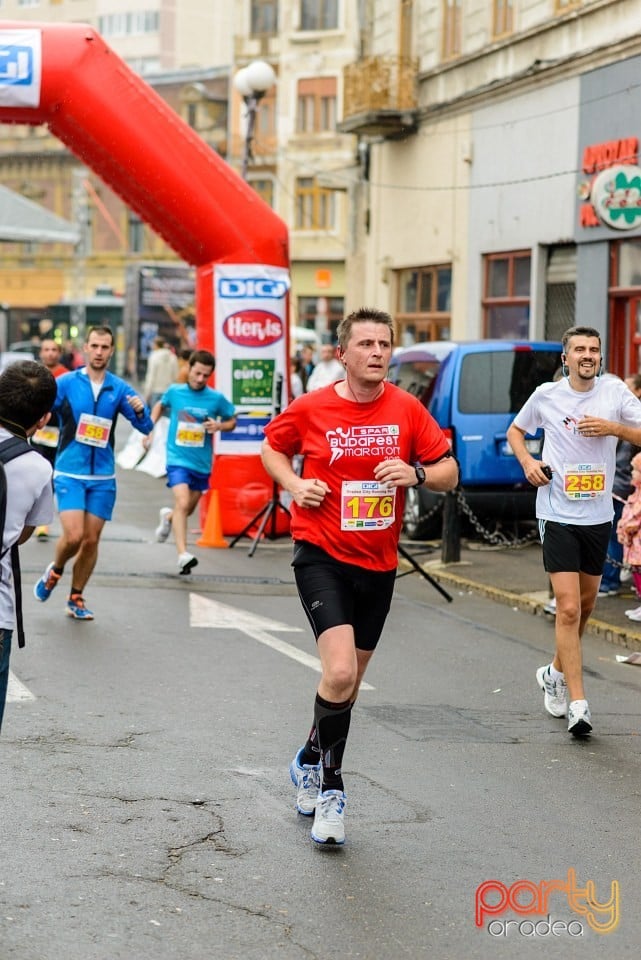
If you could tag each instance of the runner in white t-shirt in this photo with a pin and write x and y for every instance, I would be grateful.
(27, 392)
(583, 416)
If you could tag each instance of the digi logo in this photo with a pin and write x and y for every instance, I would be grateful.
(251, 288)
(16, 65)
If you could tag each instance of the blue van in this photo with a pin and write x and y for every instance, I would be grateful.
(473, 390)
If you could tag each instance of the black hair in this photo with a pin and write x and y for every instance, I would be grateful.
(27, 392)
(204, 357)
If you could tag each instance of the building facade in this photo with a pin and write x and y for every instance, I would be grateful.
(474, 196)
(189, 53)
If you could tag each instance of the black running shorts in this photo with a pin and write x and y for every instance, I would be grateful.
(574, 548)
(335, 593)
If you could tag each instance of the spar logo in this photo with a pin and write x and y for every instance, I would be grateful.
(251, 288)
(253, 328)
(532, 900)
(381, 441)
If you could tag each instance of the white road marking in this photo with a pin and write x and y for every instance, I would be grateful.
(17, 690)
(213, 615)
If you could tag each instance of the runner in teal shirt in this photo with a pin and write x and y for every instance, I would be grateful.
(195, 413)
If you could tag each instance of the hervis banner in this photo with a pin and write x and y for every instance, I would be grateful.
(250, 338)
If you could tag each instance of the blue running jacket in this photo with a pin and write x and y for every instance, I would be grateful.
(94, 421)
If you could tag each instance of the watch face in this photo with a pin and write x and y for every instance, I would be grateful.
(420, 474)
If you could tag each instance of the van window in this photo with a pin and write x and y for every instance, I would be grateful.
(501, 381)
(417, 377)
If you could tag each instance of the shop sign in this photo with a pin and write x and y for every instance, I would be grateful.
(616, 197)
(603, 158)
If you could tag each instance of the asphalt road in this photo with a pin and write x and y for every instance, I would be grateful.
(146, 807)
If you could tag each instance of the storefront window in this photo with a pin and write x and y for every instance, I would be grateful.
(629, 264)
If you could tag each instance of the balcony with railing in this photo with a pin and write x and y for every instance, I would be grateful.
(380, 97)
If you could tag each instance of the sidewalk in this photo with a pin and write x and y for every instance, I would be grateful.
(516, 576)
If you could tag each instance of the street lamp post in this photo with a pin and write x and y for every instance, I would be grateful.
(252, 82)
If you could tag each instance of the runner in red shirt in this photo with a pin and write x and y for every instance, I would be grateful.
(45, 440)
(363, 441)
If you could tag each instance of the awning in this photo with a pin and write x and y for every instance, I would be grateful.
(24, 221)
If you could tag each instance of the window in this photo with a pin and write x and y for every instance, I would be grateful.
(451, 28)
(264, 17)
(264, 187)
(126, 24)
(315, 206)
(503, 18)
(316, 105)
(424, 304)
(331, 310)
(506, 304)
(28, 3)
(136, 236)
(319, 14)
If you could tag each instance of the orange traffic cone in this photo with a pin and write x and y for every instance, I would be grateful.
(212, 535)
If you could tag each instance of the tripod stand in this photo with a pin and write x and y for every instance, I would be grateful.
(270, 510)
(419, 569)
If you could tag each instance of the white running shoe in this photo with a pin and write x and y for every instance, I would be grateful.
(579, 719)
(164, 527)
(555, 692)
(186, 563)
(329, 817)
(550, 607)
(306, 779)
(634, 614)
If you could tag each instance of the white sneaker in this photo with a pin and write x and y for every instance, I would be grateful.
(634, 614)
(550, 607)
(555, 692)
(579, 719)
(329, 817)
(306, 779)
(164, 527)
(186, 563)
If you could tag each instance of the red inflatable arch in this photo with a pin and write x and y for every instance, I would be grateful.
(117, 124)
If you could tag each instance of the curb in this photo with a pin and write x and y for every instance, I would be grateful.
(619, 636)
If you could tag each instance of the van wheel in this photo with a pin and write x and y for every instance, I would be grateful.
(418, 503)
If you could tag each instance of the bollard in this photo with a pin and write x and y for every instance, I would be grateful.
(451, 532)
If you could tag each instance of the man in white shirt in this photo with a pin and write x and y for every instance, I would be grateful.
(162, 370)
(583, 417)
(327, 370)
(27, 392)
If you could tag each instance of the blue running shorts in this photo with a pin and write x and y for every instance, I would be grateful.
(93, 496)
(195, 481)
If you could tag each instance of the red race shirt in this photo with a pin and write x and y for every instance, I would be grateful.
(359, 521)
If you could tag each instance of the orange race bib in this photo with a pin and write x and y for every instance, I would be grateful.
(47, 436)
(190, 434)
(93, 431)
(583, 481)
(367, 505)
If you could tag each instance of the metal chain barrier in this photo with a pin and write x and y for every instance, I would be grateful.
(495, 538)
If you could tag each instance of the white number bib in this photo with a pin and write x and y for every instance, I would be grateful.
(366, 505)
(93, 431)
(47, 436)
(583, 481)
(190, 434)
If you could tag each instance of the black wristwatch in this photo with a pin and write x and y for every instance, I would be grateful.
(420, 474)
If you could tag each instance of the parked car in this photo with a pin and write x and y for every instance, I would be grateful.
(473, 390)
